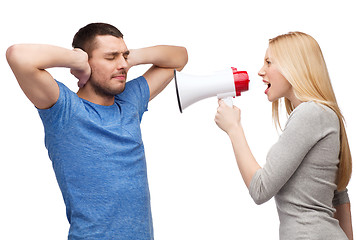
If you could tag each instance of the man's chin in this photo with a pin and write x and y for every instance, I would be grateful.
(109, 92)
(116, 91)
(120, 91)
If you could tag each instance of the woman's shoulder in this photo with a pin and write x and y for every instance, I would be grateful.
(314, 109)
(314, 112)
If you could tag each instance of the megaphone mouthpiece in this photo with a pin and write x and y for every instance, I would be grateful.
(241, 81)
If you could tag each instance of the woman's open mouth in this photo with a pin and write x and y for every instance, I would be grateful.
(268, 84)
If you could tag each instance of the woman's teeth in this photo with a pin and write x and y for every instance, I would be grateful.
(269, 85)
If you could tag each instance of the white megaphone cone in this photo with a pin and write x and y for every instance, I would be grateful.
(223, 84)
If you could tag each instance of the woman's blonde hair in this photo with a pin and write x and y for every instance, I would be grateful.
(301, 62)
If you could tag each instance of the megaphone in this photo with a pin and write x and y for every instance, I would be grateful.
(224, 84)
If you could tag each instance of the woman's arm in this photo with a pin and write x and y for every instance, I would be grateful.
(229, 121)
(301, 133)
(343, 215)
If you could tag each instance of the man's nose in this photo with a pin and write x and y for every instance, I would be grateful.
(122, 63)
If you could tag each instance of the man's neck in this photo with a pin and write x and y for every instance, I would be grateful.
(90, 95)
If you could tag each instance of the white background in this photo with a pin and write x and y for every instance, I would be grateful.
(196, 189)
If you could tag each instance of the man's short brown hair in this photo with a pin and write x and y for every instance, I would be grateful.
(85, 37)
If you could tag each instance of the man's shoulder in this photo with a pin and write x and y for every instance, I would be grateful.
(134, 87)
(138, 82)
(64, 88)
(67, 100)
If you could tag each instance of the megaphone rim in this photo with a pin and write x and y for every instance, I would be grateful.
(177, 92)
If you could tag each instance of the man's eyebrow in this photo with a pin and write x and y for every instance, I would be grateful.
(116, 53)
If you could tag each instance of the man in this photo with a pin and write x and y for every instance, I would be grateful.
(93, 136)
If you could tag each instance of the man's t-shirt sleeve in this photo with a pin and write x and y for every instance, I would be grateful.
(57, 115)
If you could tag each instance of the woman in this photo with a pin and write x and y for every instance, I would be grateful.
(308, 169)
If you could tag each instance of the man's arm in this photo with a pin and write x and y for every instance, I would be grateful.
(29, 61)
(164, 60)
(343, 215)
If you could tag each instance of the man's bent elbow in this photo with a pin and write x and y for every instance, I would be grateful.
(11, 54)
(184, 58)
(16, 57)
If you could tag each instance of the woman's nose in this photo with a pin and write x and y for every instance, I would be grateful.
(261, 72)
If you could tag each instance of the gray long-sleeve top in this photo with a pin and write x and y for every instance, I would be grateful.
(300, 171)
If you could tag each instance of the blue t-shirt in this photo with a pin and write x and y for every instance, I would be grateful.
(99, 161)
